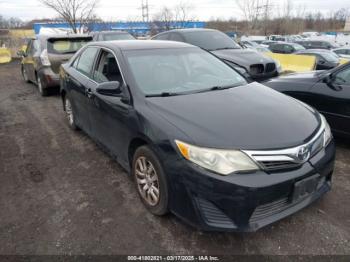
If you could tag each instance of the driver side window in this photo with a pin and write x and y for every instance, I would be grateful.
(107, 68)
(343, 77)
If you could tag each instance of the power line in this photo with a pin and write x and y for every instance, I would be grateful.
(145, 10)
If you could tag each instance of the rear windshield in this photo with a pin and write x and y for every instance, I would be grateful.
(122, 36)
(66, 46)
(211, 40)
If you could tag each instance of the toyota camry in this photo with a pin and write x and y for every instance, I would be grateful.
(197, 139)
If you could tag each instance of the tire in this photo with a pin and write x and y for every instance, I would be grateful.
(24, 74)
(149, 182)
(68, 109)
(42, 90)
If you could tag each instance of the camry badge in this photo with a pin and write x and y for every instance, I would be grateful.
(303, 154)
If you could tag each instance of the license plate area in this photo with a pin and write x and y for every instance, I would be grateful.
(305, 187)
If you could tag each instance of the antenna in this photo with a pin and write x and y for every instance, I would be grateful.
(145, 10)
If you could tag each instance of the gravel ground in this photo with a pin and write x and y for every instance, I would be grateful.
(60, 194)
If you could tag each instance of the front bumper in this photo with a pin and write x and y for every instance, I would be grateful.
(242, 202)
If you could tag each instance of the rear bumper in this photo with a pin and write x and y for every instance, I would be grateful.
(245, 202)
(49, 78)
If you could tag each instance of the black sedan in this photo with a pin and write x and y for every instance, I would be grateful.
(250, 63)
(327, 91)
(325, 59)
(198, 140)
(285, 48)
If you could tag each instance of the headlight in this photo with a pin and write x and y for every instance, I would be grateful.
(223, 162)
(327, 134)
(238, 68)
(278, 66)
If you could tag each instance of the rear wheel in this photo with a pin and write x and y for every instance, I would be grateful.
(70, 114)
(43, 91)
(150, 181)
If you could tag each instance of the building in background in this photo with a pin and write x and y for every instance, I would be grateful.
(134, 28)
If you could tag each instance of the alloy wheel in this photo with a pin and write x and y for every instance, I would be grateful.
(147, 181)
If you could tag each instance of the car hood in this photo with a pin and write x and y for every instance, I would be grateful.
(243, 57)
(246, 117)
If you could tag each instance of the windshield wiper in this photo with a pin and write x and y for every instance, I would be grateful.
(163, 94)
(216, 88)
(225, 48)
(213, 88)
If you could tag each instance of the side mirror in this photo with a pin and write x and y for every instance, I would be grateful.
(112, 88)
(327, 79)
(21, 53)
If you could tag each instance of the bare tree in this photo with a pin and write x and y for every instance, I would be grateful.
(183, 13)
(76, 13)
(164, 19)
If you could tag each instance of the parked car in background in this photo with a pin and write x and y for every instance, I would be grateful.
(45, 54)
(285, 48)
(253, 45)
(248, 62)
(267, 43)
(197, 139)
(312, 44)
(327, 91)
(325, 59)
(111, 35)
(343, 52)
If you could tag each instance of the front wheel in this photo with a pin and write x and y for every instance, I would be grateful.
(150, 181)
(43, 91)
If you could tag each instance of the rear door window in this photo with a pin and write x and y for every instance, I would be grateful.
(86, 60)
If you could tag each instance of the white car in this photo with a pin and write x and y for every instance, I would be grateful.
(343, 52)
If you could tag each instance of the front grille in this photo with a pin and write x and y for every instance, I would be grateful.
(269, 209)
(277, 165)
(270, 67)
(257, 69)
(213, 215)
(289, 158)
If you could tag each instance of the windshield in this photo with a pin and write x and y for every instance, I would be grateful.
(180, 71)
(298, 47)
(66, 46)
(210, 40)
(330, 57)
(118, 36)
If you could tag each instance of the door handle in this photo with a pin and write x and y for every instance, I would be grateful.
(89, 93)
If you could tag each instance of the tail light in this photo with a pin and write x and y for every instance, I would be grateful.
(45, 58)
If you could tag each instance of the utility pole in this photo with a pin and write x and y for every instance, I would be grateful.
(145, 10)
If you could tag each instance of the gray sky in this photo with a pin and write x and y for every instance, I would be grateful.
(130, 9)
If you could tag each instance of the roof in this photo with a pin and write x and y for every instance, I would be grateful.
(110, 32)
(141, 44)
(190, 30)
(53, 36)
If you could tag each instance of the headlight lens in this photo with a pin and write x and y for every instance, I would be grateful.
(278, 66)
(327, 135)
(223, 162)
